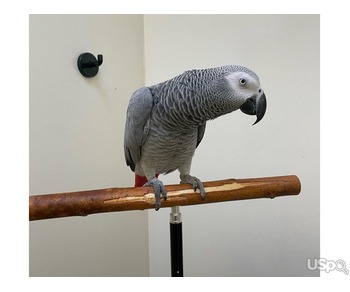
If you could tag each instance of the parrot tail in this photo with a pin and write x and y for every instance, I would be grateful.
(141, 180)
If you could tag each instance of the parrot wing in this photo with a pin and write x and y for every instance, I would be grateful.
(201, 130)
(137, 125)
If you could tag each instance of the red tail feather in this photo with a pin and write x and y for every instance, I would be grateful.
(141, 180)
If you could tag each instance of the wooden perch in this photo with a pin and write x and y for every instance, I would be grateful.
(84, 203)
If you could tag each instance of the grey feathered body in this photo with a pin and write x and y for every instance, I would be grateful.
(166, 122)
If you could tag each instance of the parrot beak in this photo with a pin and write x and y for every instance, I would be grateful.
(255, 106)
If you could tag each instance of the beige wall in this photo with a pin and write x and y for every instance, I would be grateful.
(248, 238)
(76, 142)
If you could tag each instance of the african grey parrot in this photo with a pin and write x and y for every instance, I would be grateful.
(166, 122)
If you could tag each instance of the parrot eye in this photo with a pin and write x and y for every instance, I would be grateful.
(242, 81)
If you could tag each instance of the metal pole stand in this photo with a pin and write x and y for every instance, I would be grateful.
(176, 242)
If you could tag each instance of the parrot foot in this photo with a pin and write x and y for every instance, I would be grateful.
(159, 190)
(195, 182)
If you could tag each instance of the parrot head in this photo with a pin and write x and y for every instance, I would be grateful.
(246, 86)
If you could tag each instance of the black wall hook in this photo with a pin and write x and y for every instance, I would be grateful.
(88, 64)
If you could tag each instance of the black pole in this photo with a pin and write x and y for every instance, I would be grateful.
(176, 242)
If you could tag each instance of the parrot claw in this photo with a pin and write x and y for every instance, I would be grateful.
(159, 190)
(195, 182)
